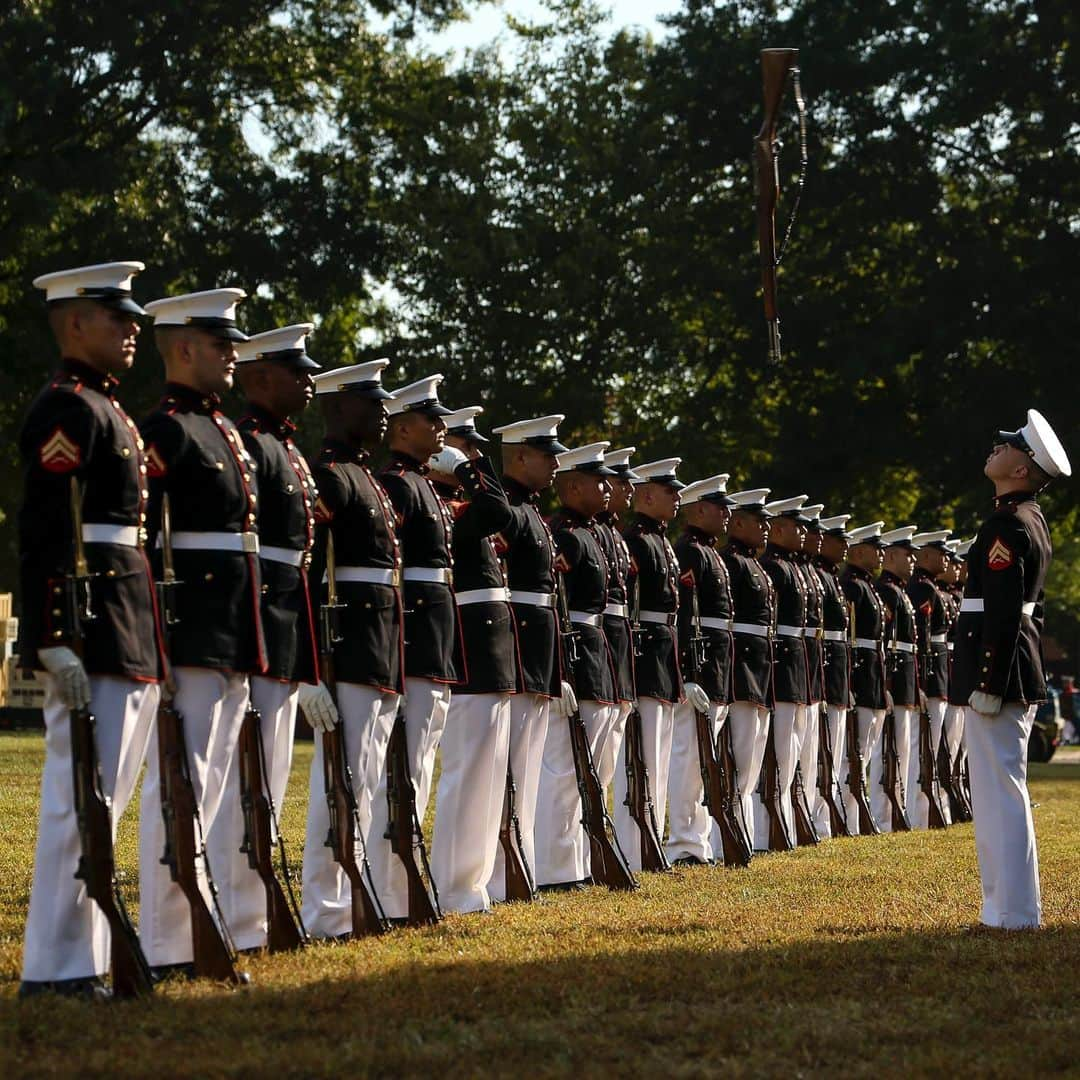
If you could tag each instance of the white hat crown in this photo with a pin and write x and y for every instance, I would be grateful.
(465, 417)
(192, 308)
(338, 379)
(577, 457)
(752, 497)
(538, 428)
(284, 339)
(1046, 448)
(902, 535)
(423, 392)
(86, 281)
(699, 489)
(865, 532)
(662, 471)
(786, 506)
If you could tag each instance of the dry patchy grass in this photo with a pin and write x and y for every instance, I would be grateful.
(858, 956)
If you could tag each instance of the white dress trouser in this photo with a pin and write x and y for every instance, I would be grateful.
(657, 722)
(837, 729)
(917, 804)
(67, 937)
(880, 806)
(367, 715)
(562, 851)
(610, 756)
(469, 803)
(690, 825)
(1004, 829)
(788, 718)
(427, 704)
(807, 735)
(528, 732)
(240, 889)
(870, 722)
(212, 705)
(749, 728)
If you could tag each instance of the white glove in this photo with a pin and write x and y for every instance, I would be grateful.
(985, 704)
(697, 697)
(318, 705)
(888, 702)
(447, 460)
(71, 678)
(922, 701)
(568, 704)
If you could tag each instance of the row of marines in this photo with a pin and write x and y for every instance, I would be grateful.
(452, 597)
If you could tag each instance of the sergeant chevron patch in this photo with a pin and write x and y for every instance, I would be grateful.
(155, 466)
(59, 454)
(1000, 556)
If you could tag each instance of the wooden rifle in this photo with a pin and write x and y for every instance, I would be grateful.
(892, 781)
(404, 831)
(779, 837)
(607, 862)
(856, 777)
(806, 834)
(518, 882)
(777, 65)
(344, 836)
(928, 776)
(131, 976)
(827, 784)
(639, 800)
(213, 954)
(949, 769)
(284, 924)
(719, 789)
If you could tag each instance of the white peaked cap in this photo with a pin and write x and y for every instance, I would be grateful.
(659, 472)
(902, 535)
(751, 499)
(834, 524)
(286, 343)
(707, 489)
(786, 506)
(932, 539)
(420, 396)
(618, 461)
(588, 458)
(866, 534)
(1044, 445)
(460, 418)
(364, 380)
(212, 310)
(963, 547)
(110, 282)
(540, 427)
(813, 512)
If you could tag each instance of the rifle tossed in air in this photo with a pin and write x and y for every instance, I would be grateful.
(777, 66)
(131, 976)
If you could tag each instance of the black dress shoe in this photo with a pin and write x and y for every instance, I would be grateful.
(90, 989)
(564, 886)
(689, 860)
(184, 970)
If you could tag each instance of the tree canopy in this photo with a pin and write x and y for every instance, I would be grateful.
(569, 225)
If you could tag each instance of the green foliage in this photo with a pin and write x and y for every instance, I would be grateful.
(570, 226)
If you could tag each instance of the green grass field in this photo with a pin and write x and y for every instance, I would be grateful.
(857, 958)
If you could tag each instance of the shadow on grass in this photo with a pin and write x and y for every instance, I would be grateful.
(976, 1000)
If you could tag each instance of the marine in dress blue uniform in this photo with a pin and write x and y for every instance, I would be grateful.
(76, 429)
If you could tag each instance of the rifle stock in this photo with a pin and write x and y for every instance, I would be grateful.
(928, 778)
(283, 931)
(779, 836)
(856, 779)
(639, 797)
(608, 865)
(404, 830)
(806, 834)
(131, 976)
(518, 883)
(827, 784)
(891, 778)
